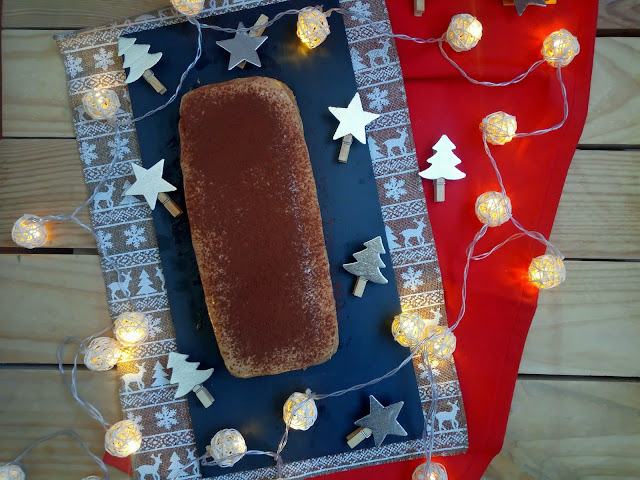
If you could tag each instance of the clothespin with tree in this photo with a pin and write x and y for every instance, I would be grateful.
(368, 264)
(443, 166)
(189, 378)
(139, 62)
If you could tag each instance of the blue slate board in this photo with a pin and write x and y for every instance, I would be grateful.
(350, 213)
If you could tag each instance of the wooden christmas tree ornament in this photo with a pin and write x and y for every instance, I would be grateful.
(262, 19)
(139, 62)
(443, 166)
(188, 378)
(368, 264)
(418, 7)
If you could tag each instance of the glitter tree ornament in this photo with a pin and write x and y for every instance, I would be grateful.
(493, 208)
(123, 439)
(437, 472)
(499, 128)
(102, 354)
(559, 48)
(368, 264)
(300, 411)
(101, 104)
(547, 271)
(131, 328)
(464, 32)
(189, 378)
(227, 447)
(11, 471)
(188, 7)
(29, 231)
(409, 329)
(313, 27)
(441, 343)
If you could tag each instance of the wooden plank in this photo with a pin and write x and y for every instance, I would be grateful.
(570, 430)
(599, 211)
(43, 177)
(619, 14)
(51, 297)
(34, 88)
(614, 104)
(35, 403)
(590, 325)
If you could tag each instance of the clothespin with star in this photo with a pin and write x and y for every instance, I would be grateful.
(150, 184)
(352, 122)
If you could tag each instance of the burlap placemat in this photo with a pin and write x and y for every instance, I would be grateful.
(126, 229)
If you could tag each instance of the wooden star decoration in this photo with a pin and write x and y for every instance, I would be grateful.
(382, 421)
(521, 5)
(149, 183)
(242, 48)
(352, 119)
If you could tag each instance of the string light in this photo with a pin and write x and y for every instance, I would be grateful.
(437, 472)
(29, 231)
(11, 471)
(300, 411)
(441, 342)
(464, 32)
(227, 447)
(92, 477)
(547, 271)
(409, 329)
(131, 328)
(499, 127)
(313, 27)
(102, 354)
(123, 439)
(101, 104)
(188, 7)
(559, 48)
(493, 208)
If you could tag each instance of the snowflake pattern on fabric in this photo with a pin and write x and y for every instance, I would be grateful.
(363, 8)
(103, 59)
(88, 152)
(119, 147)
(395, 188)
(166, 417)
(135, 235)
(104, 240)
(378, 98)
(412, 279)
(154, 328)
(137, 419)
(74, 65)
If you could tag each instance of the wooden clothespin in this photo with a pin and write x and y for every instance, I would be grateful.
(154, 82)
(203, 395)
(138, 60)
(347, 140)
(438, 189)
(443, 166)
(418, 7)
(262, 19)
(357, 436)
(169, 204)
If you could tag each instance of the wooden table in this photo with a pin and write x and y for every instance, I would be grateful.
(576, 409)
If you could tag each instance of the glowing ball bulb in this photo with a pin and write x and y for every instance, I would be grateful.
(131, 328)
(300, 411)
(409, 329)
(123, 439)
(227, 447)
(464, 32)
(313, 27)
(29, 231)
(101, 104)
(102, 354)
(11, 472)
(499, 128)
(92, 477)
(559, 48)
(438, 472)
(188, 7)
(547, 271)
(441, 343)
(493, 208)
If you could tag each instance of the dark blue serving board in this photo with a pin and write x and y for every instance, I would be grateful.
(351, 215)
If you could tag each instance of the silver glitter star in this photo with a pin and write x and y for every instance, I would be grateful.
(242, 48)
(149, 183)
(382, 421)
(522, 4)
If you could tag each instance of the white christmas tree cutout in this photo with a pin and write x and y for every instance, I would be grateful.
(189, 378)
(443, 166)
(139, 62)
(368, 264)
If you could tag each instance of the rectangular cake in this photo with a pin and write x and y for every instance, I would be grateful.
(256, 227)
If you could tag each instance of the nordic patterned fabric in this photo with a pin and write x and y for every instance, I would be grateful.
(125, 228)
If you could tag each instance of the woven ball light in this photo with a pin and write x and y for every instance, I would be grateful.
(11, 471)
(409, 329)
(499, 127)
(188, 7)
(313, 27)
(29, 231)
(560, 47)
(101, 104)
(123, 439)
(493, 208)
(227, 447)
(438, 472)
(441, 343)
(102, 354)
(300, 411)
(131, 328)
(464, 32)
(547, 271)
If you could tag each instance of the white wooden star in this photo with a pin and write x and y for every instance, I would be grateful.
(352, 119)
(149, 183)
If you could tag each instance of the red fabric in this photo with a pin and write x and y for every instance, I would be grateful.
(501, 302)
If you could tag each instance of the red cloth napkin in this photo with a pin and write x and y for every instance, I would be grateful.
(501, 302)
